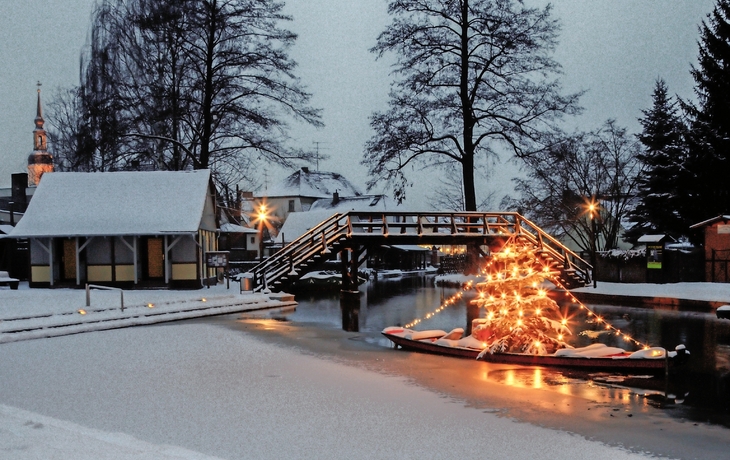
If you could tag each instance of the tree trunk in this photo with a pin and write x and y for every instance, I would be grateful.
(467, 162)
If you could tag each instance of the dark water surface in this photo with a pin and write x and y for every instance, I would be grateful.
(701, 392)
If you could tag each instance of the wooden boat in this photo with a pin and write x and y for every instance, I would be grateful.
(654, 360)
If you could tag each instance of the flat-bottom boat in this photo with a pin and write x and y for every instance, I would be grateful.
(596, 356)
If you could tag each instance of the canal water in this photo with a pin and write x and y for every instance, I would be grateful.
(700, 392)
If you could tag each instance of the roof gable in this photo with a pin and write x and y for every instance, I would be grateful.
(116, 203)
(315, 184)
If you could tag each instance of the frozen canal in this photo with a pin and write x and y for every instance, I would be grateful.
(298, 386)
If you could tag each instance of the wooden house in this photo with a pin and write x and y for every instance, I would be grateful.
(717, 248)
(127, 229)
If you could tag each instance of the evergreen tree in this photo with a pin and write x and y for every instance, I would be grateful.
(663, 156)
(708, 162)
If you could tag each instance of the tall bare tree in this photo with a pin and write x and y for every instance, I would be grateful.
(472, 77)
(200, 84)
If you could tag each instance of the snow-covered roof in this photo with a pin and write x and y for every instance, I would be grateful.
(722, 218)
(314, 184)
(654, 238)
(116, 203)
(409, 247)
(298, 223)
(233, 228)
(354, 203)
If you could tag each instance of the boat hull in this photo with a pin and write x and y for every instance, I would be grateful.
(605, 364)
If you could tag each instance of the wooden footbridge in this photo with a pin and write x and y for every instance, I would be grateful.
(353, 233)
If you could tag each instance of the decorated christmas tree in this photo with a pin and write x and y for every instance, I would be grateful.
(519, 316)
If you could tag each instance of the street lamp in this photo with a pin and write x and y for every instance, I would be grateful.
(262, 216)
(593, 216)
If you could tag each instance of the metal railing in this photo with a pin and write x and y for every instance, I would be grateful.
(89, 287)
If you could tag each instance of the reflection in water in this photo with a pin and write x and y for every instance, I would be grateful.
(700, 393)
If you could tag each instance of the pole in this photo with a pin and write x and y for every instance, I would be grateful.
(593, 247)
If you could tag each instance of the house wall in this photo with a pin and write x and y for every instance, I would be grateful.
(717, 252)
(40, 269)
(110, 260)
(183, 258)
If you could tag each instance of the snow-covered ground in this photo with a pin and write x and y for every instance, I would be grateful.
(38, 313)
(711, 292)
(201, 390)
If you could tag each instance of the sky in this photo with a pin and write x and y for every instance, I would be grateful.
(614, 51)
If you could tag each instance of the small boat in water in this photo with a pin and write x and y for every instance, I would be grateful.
(596, 356)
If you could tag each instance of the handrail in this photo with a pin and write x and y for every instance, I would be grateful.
(106, 288)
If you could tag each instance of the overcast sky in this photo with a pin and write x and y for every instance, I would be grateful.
(614, 49)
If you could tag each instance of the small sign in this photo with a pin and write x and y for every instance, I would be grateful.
(723, 229)
(654, 253)
(217, 259)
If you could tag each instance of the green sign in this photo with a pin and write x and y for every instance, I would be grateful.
(654, 254)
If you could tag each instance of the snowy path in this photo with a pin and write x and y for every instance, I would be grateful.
(24, 315)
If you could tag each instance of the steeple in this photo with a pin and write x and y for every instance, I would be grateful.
(40, 161)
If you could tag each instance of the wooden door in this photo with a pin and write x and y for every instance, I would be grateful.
(155, 258)
(68, 260)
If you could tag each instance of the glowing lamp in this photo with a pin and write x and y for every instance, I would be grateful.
(82, 312)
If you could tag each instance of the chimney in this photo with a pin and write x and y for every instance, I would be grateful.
(335, 198)
(19, 184)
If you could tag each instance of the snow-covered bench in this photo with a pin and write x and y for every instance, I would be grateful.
(6, 280)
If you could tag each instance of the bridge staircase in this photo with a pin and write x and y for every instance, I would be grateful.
(352, 233)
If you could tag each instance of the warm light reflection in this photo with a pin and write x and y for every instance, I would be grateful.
(537, 378)
(510, 377)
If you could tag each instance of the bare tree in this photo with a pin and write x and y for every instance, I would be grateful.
(472, 76)
(602, 166)
(197, 84)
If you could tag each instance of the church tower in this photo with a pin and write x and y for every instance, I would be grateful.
(40, 161)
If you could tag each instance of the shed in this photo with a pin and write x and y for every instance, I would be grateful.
(717, 247)
(135, 229)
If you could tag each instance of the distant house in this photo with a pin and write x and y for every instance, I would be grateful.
(132, 229)
(299, 191)
(298, 223)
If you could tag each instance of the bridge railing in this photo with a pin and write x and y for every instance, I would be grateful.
(364, 223)
(542, 239)
(316, 241)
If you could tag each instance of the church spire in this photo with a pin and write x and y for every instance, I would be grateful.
(39, 110)
(40, 161)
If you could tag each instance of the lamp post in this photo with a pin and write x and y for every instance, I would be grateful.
(262, 217)
(593, 215)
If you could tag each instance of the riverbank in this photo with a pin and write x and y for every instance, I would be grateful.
(41, 313)
(702, 297)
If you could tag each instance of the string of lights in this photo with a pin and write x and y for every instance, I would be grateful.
(524, 274)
